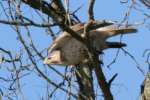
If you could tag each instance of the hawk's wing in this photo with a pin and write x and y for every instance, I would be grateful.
(59, 42)
(113, 30)
(64, 37)
(107, 31)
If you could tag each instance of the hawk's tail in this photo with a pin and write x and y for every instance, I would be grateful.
(115, 44)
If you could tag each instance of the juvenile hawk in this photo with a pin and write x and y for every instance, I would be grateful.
(66, 50)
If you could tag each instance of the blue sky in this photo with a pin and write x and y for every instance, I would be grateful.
(127, 85)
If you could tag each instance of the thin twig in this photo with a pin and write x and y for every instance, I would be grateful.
(27, 23)
(133, 58)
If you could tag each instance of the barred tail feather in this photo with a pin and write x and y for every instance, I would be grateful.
(115, 44)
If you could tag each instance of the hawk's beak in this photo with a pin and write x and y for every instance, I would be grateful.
(46, 61)
(51, 61)
(53, 58)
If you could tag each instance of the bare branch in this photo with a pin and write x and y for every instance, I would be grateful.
(36, 66)
(112, 79)
(90, 9)
(26, 24)
(134, 59)
(102, 81)
(146, 3)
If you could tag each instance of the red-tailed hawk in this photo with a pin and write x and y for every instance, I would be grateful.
(66, 50)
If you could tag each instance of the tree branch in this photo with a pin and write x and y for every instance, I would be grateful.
(112, 79)
(102, 81)
(45, 8)
(36, 66)
(26, 24)
(90, 9)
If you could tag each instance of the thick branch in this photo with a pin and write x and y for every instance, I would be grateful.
(91, 19)
(102, 81)
(45, 8)
(90, 10)
(57, 5)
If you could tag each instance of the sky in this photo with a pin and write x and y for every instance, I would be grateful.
(127, 84)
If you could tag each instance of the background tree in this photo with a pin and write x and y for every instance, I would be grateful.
(35, 23)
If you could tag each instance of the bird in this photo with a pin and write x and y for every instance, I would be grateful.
(66, 50)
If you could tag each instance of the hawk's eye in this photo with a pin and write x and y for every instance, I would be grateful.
(55, 49)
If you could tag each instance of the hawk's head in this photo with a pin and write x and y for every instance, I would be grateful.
(53, 58)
